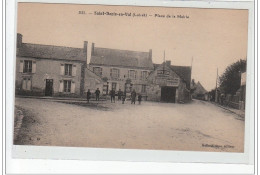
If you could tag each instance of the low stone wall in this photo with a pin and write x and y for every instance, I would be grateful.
(18, 120)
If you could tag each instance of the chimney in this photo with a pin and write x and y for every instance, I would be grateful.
(93, 49)
(168, 62)
(85, 47)
(19, 40)
(85, 50)
(150, 54)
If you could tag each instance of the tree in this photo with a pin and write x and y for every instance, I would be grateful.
(231, 78)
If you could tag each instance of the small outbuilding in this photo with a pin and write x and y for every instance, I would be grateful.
(168, 83)
(199, 91)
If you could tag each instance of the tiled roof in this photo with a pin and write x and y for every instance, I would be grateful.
(184, 72)
(51, 52)
(199, 89)
(90, 74)
(156, 65)
(115, 57)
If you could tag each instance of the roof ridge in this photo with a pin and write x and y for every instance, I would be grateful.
(181, 66)
(51, 45)
(121, 50)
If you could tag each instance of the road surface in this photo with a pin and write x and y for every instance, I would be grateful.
(198, 126)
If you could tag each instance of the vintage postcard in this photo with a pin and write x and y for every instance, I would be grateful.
(131, 77)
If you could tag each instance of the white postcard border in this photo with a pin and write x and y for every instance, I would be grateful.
(47, 152)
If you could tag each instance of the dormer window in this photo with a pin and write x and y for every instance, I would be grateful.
(163, 72)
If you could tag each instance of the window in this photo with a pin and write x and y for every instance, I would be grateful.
(132, 74)
(26, 84)
(67, 85)
(27, 66)
(144, 74)
(97, 70)
(68, 69)
(163, 72)
(143, 88)
(114, 73)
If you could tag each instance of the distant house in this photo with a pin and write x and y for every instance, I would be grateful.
(241, 92)
(199, 91)
(121, 69)
(48, 70)
(169, 83)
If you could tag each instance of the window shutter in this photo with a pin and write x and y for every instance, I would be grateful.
(74, 70)
(110, 72)
(21, 66)
(33, 66)
(62, 69)
(61, 86)
(72, 87)
(118, 73)
(24, 84)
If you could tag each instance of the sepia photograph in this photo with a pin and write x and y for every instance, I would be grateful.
(130, 77)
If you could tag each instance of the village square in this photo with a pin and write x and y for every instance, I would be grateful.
(111, 98)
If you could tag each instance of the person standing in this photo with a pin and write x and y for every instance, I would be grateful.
(123, 98)
(120, 93)
(88, 95)
(133, 96)
(97, 94)
(113, 94)
(139, 98)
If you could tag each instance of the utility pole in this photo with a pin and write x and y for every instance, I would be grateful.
(190, 76)
(191, 65)
(164, 62)
(216, 93)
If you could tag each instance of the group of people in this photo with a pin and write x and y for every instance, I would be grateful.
(121, 96)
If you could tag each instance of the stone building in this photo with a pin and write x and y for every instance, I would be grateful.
(121, 69)
(168, 83)
(47, 70)
(199, 91)
(92, 82)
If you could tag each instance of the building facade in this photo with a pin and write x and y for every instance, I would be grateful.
(168, 83)
(92, 82)
(121, 69)
(199, 92)
(45, 70)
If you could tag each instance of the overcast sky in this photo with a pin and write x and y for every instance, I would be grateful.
(213, 37)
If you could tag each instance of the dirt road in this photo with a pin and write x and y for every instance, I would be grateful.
(198, 126)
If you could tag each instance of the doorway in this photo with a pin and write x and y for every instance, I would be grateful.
(49, 86)
(168, 94)
(114, 86)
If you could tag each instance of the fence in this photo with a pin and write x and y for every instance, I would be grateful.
(233, 101)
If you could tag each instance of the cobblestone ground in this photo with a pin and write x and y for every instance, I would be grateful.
(198, 126)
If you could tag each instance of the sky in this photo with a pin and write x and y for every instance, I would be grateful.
(214, 38)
